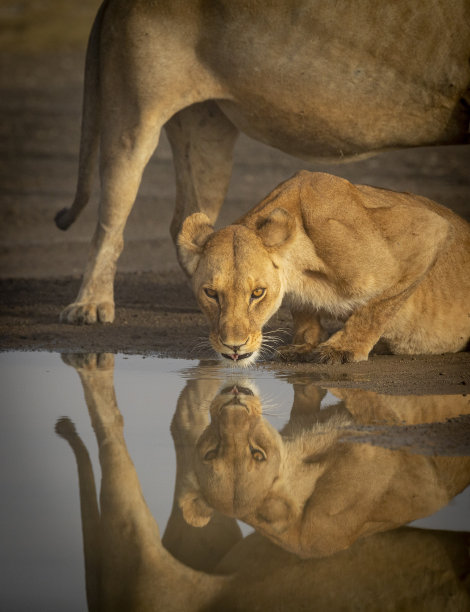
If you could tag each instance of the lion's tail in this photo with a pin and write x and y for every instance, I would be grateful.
(90, 131)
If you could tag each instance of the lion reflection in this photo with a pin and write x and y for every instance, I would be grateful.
(302, 487)
(307, 488)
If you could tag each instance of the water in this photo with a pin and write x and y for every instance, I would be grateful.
(42, 556)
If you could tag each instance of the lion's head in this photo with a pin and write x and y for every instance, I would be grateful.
(237, 278)
(236, 460)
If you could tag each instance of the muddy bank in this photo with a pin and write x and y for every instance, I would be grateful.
(41, 67)
(157, 314)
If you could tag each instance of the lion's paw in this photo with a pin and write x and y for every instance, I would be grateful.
(89, 361)
(87, 313)
(295, 352)
(331, 355)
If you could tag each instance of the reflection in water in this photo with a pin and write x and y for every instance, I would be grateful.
(313, 493)
(307, 488)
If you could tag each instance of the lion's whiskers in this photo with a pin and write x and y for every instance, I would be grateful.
(271, 408)
(201, 343)
(271, 340)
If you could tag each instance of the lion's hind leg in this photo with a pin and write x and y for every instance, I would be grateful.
(202, 139)
(128, 139)
(131, 91)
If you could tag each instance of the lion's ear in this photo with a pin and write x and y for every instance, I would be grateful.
(275, 229)
(195, 510)
(191, 240)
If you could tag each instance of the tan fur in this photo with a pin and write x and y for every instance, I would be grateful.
(325, 492)
(314, 79)
(395, 266)
(128, 567)
(233, 480)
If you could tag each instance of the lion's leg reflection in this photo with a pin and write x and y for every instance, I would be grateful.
(128, 537)
(127, 566)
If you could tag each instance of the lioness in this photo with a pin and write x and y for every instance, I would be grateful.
(395, 265)
(314, 79)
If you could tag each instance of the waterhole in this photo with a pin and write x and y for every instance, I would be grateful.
(295, 489)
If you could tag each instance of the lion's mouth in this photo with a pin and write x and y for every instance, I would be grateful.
(236, 356)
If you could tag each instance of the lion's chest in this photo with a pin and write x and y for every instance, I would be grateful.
(311, 289)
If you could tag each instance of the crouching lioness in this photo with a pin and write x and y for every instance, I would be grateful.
(394, 266)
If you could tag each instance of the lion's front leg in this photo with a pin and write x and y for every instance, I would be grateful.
(364, 328)
(308, 333)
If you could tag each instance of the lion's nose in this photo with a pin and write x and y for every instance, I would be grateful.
(234, 347)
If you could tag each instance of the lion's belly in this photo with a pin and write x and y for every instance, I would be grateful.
(334, 125)
(302, 133)
(322, 85)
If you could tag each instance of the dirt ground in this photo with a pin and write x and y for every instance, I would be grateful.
(41, 63)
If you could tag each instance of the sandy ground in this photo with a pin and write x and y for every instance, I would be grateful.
(41, 64)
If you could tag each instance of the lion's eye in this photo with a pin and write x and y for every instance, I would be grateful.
(257, 293)
(210, 455)
(211, 293)
(257, 454)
